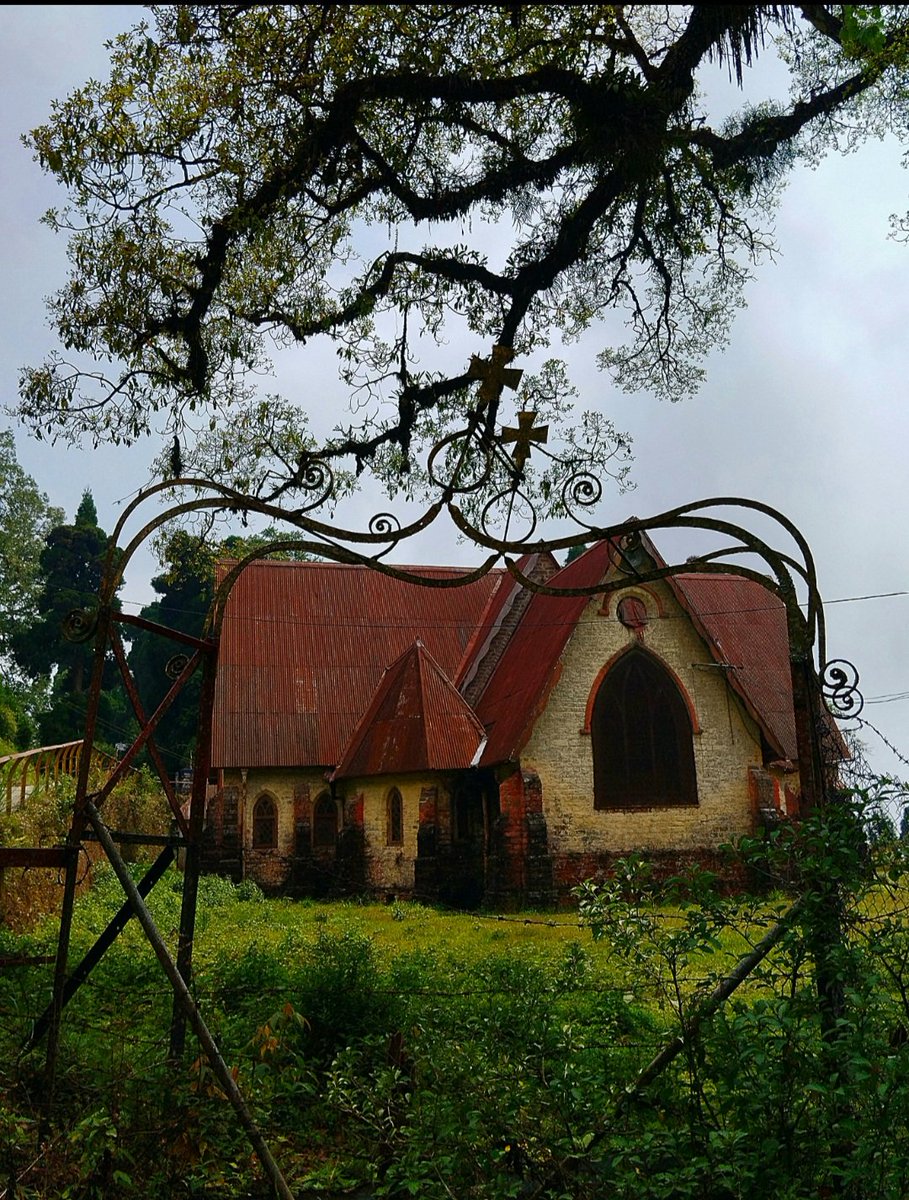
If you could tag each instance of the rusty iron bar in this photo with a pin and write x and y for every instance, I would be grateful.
(73, 841)
(34, 856)
(173, 635)
(188, 1005)
(154, 754)
(102, 944)
(710, 1005)
(192, 865)
(60, 966)
(124, 838)
(26, 960)
(148, 729)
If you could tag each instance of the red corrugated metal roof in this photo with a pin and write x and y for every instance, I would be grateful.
(417, 721)
(744, 625)
(526, 672)
(499, 603)
(304, 645)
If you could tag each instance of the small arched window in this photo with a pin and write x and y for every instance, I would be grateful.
(325, 822)
(643, 756)
(394, 818)
(265, 824)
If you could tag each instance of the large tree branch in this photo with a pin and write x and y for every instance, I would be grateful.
(764, 135)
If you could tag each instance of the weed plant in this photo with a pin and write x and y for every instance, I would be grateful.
(402, 1050)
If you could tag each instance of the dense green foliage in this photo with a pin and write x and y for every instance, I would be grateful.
(392, 180)
(408, 1051)
(71, 565)
(26, 518)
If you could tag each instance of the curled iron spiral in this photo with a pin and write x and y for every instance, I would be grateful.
(384, 525)
(176, 665)
(839, 687)
(80, 624)
(316, 478)
(581, 491)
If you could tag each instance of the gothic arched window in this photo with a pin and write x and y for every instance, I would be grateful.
(394, 818)
(265, 824)
(643, 756)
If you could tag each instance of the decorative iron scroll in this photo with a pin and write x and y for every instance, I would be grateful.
(176, 665)
(839, 687)
(80, 624)
(477, 478)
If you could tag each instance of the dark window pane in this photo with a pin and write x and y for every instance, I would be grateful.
(265, 824)
(643, 755)
(325, 822)
(395, 818)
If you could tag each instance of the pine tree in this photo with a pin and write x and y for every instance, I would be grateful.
(72, 565)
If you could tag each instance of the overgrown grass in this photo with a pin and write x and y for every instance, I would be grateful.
(405, 1050)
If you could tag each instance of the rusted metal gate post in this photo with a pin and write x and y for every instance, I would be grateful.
(188, 1006)
(73, 843)
(193, 859)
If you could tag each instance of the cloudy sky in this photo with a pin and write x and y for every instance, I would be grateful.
(805, 410)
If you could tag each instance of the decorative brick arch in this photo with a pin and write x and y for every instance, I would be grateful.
(641, 737)
(608, 666)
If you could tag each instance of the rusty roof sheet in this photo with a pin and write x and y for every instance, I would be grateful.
(417, 721)
(744, 626)
(528, 669)
(496, 609)
(304, 645)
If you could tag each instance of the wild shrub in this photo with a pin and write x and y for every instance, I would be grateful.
(27, 895)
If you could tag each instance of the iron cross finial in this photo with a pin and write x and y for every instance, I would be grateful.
(494, 373)
(523, 437)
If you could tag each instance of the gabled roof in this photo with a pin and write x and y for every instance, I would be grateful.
(318, 664)
(530, 666)
(744, 626)
(304, 645)
(417, 721)
(742, 623)
(499, 602)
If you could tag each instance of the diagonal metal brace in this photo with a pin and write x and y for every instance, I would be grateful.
(105, 940)
(188, 1005)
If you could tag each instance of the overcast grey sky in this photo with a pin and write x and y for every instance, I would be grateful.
(805, 410)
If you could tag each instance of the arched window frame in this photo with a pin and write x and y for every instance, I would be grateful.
(265, 823)
(325, 804)
(641, 723)
(394, 818)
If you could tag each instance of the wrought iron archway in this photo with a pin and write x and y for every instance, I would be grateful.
(503, 523)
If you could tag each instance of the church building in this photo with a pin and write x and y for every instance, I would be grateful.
(484, 744)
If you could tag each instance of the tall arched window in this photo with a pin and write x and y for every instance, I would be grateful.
(394, 818)
(325, 822)
(643, 755)
(265, 824)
